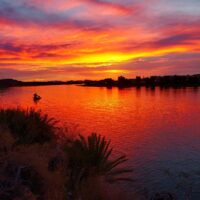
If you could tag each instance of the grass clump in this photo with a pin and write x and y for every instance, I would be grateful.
(28, 126)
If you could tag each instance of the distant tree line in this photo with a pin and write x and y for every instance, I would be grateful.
(152, 81)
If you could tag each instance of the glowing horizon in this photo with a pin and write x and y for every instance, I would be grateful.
(81, 39)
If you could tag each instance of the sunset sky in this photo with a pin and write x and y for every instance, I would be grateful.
(94, 39)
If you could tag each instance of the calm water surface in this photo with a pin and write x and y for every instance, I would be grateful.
(159, 130)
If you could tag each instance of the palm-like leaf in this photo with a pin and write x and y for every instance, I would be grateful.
(92, 156)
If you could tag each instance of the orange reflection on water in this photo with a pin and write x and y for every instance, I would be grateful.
(156, 128)
(121, 114)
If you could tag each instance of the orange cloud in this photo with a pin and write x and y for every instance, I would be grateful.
(40, 35)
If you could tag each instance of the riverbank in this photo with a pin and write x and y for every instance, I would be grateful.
(121, 82)
(16, 83)
(40, 161)
(153, 81)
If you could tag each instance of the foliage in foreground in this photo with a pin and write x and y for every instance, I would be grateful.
(43, 169)
(24, 171)
(28, 126)
(91, 157)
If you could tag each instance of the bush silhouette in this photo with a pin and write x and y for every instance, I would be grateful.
(91, 157)
(28, 126)
(47, 166)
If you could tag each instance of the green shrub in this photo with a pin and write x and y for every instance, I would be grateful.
(28, 126)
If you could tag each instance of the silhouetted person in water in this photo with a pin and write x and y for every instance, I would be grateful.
(36, 97)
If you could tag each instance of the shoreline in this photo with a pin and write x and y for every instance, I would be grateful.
(177, 81)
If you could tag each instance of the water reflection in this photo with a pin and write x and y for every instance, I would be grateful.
(4, 89)
(157, 128)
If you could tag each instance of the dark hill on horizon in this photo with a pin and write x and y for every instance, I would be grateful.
(9, 82)
(15, 83)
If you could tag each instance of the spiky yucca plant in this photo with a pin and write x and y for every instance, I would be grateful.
(28, 126)
(92, 157)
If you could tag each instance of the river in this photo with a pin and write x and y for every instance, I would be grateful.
(158, 129)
